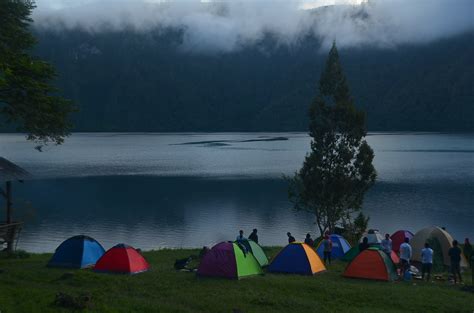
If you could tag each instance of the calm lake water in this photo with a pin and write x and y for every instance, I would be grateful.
(189, 189)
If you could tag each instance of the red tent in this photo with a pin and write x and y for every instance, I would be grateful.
(122, 259)
(398, 238)
(373, 264)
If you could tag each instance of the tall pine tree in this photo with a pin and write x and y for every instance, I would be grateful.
(27, 98)
(338, 170)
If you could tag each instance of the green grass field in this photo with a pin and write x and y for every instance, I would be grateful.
(27, 285)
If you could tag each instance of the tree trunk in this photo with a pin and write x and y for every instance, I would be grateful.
(8, 193)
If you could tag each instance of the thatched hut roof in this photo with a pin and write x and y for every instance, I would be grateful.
(11, 172)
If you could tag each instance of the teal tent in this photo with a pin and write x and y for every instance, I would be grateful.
(351, 254)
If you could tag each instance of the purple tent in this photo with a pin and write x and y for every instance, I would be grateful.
(227, 259)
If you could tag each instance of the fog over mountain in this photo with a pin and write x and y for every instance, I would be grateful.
(224, 26)
(136, 65)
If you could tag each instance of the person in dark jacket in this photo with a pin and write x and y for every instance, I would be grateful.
(455, 256)
(467, 250)
(253, 236)
(290, 237)
(308, 240)
(364, 244)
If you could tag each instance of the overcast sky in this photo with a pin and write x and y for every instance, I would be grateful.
(227, 25)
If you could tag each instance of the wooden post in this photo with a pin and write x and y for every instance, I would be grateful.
(8, 192)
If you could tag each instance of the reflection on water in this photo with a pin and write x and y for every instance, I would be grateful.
(153, 212)
(153, 191)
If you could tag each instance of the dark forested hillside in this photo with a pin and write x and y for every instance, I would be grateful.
(128, 81)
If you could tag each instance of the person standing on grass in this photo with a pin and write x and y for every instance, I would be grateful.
(455, 256)
(308, 240)
(253, 236)
(426, 261)
(405, 256)
(290, 237)
(467, 250)
(386, 244)
(327, 249)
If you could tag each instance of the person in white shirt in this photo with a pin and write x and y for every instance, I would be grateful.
(426, 261)
(386, 244)
(405, 256)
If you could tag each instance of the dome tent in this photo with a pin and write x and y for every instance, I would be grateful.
(374, 236)
(77, 252)
(351, 254)
(373, 264)
(297, 258)
(354, 251)
(443, 238)
(339, 247)
(122, 259)
(398, 238)
(228, 260)
(256, 250)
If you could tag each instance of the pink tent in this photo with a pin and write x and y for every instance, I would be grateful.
(398, 238)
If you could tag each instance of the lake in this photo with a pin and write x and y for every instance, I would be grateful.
(193, 189)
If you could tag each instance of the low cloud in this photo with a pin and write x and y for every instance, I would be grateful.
(226, 26)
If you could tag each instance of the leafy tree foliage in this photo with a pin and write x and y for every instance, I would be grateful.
(353, 230)
(338, 170)
(27, 98)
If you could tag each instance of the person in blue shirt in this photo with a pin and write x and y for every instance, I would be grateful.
(405, 256)
(240, 238)
(426, 261)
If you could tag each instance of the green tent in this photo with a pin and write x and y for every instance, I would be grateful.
(256, 250)
(227, 259)
(351, 254)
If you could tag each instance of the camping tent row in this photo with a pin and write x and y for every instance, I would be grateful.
(232, 260)
(439, 239)
(237, 260)
(375, 264)
(85, 252)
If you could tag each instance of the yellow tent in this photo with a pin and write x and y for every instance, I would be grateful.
(433, 232)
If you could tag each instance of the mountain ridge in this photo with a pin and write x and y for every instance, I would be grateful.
(143, 81)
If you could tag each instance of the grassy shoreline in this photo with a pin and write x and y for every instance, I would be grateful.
(27, 285)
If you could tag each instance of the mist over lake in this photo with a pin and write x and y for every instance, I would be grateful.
(192, 189)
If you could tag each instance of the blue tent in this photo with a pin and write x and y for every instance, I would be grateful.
(339, 247)
(297, 258)
(77, 252)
